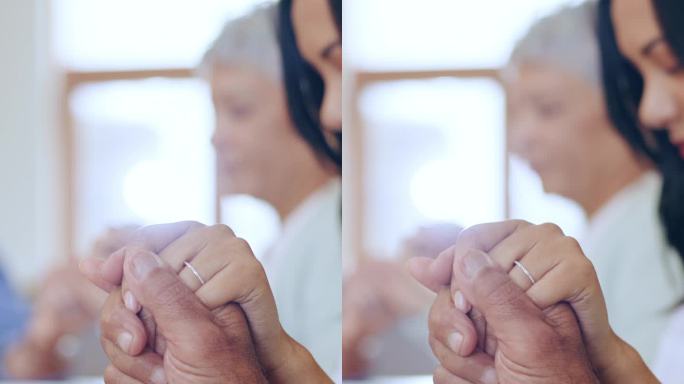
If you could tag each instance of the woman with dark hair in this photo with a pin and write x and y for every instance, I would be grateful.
(642, 45)
(312, 62)
(642, 48)
(193, 304)
(648, 113)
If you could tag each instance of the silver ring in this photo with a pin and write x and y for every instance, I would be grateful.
(524, 270)
(194, 272)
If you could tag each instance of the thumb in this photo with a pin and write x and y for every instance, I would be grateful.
(432, 273)
(508, 310)
(176, 310)
(104, 273)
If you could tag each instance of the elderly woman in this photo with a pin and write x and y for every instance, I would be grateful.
(207, 311)
(559, 123)
(261, 153)
(534, 274)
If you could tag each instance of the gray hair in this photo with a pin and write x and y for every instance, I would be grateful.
(566, 39)
(250, 41)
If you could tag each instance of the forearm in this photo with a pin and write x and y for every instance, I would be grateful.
(626, 366)
(298, 366)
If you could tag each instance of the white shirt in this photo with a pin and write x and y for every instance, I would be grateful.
(304, 269)
(640, 274)
(668, 365)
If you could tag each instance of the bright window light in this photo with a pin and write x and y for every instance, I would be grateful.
(97, 34)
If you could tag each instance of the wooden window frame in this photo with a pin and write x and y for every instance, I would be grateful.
(355, 198)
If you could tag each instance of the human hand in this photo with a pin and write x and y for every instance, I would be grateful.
(200, 346)
(232, 274)
(565, 275)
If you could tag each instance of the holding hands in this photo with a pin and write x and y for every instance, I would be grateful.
(191, 303)
(542, 319)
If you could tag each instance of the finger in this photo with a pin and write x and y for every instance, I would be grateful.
(542, 258)
(190, 244)
(450, 326)
(94, 270)
(154, 238)
(239, 279)
(521, 242)
(506, 307)
(575, 282)
(432, 273)
(121, 326)
(212, 258)
(476, 368)
(442, 376)
(244, 282)
(174, 307)
(483, 237)
(113, 375)
(147, 367)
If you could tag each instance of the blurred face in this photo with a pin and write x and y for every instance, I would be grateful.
(320, 44)
(256, 145)
(641, 40)
(557, 122)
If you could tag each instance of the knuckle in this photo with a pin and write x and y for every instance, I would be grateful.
(220, 230)
(191, 224)
(242, 247)
(550, 228)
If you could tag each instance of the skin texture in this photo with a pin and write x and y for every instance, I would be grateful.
(232, 275)
(558, 123)
(258, 149)
(469, 343)
(662, 104)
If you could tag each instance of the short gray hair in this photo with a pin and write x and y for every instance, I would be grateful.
(566, 39)
(250, 40)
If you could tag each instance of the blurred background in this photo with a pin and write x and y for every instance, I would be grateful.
(415, 162)
(426, 154)
(104, 124)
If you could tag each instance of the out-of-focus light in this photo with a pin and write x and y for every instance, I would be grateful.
(434, 190)
(156, 194)
(252, 219)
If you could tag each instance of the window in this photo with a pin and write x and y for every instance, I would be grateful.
(426, 122)
(136, 122)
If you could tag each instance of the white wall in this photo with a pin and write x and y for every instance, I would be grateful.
(29, 178)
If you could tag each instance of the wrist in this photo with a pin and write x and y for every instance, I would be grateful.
(297, 365)
(623, 364)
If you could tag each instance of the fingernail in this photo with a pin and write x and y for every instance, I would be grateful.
(455, 340)
(460, 302)
(131, 302)
(124, 341)
(473, 262)
(489, 376)
(158, 376)
(143, 264)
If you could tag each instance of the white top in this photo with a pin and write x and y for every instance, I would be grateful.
(668, 365)
(304, 268)
(640, 275)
